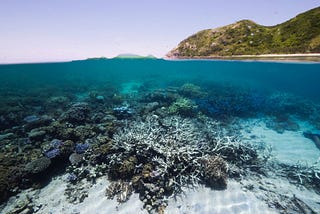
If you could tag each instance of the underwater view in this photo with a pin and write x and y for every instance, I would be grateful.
(160, 136)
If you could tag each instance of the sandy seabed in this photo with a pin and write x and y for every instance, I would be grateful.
(51, 199)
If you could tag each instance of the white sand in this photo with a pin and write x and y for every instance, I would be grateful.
(54, 200)
(130, 88)
(205, 200)
(290, 147)
(268, 188)
(51, 199)
(281, 55)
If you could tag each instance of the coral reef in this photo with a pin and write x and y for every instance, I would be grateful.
(56, 148)
(124, 170)
(160, 156)
(76, 195)
(191, 91)
(302, 174)
(228, 102)
(151, 107)
(215, 172)
(36, 134)
(183, 107)
(6, 135)
(52, 153)
(39, 122)
(123, 111)
(155, 142)
(76, 158)
(161, 96)
(81, 148)
(78, 113)
(119, 189)
(38, 165)
(72, 177)
(31, 118)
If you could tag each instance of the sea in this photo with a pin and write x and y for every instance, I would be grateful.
(57, 119)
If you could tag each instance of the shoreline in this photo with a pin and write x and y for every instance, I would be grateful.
(310, 57)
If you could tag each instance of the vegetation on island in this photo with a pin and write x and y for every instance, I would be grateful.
(124, 56)
(297, 35)
(133, 56)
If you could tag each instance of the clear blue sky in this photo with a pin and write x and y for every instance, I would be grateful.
(55, 30)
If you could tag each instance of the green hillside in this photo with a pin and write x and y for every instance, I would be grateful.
(298, 35)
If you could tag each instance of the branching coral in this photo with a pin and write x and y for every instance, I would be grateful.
(303, 174)
(119, 189)
(174, 152)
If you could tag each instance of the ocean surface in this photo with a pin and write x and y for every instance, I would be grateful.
(54, 116)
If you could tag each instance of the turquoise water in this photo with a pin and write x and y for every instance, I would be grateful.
(299, 78)
(52, 113)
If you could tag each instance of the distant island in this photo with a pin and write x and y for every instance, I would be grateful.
(134, 56)
(124, 56)
(297, 38)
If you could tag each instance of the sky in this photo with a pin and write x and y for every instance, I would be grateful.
(63, 30)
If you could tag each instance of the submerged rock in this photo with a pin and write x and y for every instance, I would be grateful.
(183, 106)
(4, 191)
(23, 206)
(56, 143)
(83, 132)
(100, 98)
(151, 107)
(6, 136)
(282, 124)
(57, 101)
(58, 148)
(78, 113)
(71, 177)
(52, 153)
(23, 141)
(76, 158)
(191, 91)
(314, 136)
(31, 118)
(38, 165)
(39, 122)
(36, 134)
(81, 148)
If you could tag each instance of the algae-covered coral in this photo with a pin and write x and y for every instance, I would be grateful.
(183, 106)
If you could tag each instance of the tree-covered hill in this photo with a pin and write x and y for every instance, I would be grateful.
(298, 35)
